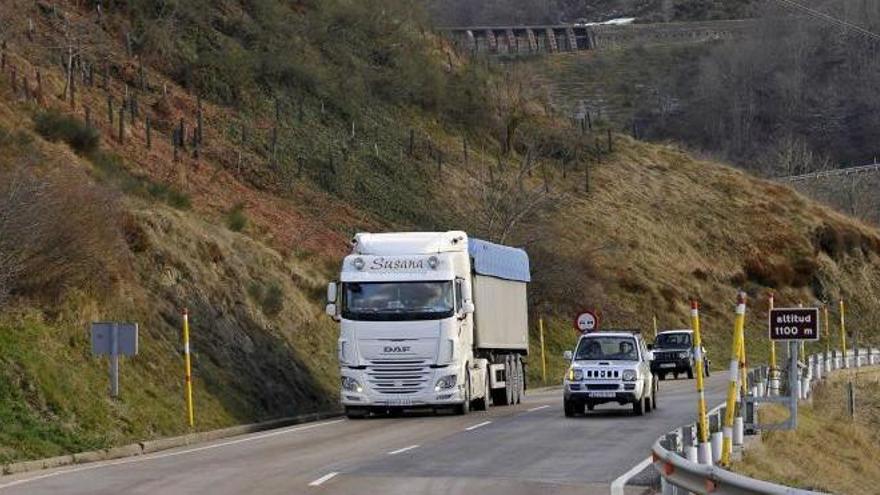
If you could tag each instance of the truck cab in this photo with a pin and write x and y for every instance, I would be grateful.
(430, 320)
(610, 366)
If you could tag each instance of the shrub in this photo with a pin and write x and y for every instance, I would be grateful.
(56, 126)
(236, 219)
(270, 300)
(57, 232)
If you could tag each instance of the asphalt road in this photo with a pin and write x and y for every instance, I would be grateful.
(528, 449)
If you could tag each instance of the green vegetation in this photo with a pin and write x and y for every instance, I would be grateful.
(56, 126)
(236, 219)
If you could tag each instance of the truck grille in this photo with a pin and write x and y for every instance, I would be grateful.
(398, 377)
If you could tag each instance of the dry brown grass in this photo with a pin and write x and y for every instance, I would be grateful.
(829, 451)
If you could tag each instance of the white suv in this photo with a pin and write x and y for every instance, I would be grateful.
(610, 366)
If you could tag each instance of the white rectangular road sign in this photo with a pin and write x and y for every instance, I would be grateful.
(126, 338)
(794, 324)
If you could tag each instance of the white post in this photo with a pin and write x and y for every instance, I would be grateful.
(692, 454)
(704, 453)
(738, 427)
(717, 440)
(114, 361)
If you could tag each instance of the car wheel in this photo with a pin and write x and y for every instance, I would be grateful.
(706, 369)
(638, 407)
(675, 375)
(654, 396)
(568, 407)
(661, 376)
(590, 406)
(647, 404)
(690, 373)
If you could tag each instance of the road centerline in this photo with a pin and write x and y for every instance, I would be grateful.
(537, 408)
(323, 479)
(478, 425)
(405, 449)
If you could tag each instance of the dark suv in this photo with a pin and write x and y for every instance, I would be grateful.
(674, 353)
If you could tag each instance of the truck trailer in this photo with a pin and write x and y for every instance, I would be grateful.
(430, 320)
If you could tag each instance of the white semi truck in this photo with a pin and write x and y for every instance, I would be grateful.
(430, 320)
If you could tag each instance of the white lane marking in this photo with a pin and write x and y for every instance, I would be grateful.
(618, 484)
(480, 425)
(151, 457)
(320, 481)
(538, 408)
(405, 449)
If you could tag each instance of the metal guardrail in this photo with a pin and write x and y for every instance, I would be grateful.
(682, 475)
(839, 172)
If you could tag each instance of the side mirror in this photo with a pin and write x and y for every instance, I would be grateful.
(568, 355)
(331, 292)
(467, 307)
(650, 355)
(331, 310)
(650, 347)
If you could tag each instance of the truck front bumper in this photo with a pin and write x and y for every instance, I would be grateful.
(427, 396)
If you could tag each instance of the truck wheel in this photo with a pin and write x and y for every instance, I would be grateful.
(568, 407)
(691, 373)
(509, 381)
(483, 404)
(638, 407)
(520, 380)
(465, 406)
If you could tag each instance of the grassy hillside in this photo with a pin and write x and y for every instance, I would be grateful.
(373, 125)
(825, 431)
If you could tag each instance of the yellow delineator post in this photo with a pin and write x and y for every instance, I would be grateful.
(773, 379)
(827, 330)
(739, 325)
(543, 358)
(188, 366)
(843, 331)
(704, 451)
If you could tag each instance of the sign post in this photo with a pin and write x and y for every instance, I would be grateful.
(112, 339)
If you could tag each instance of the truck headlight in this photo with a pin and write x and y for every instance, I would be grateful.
(351, 385)
(575, 374)
(629, 375)
(682, 355)
(446, 382)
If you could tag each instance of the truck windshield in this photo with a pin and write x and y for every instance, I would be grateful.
(607, 349)
(673, 340)
(397, 301)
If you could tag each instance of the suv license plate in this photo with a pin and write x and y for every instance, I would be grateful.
(604, 395)
(400, 402)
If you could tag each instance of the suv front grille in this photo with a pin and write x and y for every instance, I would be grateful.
(603, 386)
(398, 377)
(601, 374)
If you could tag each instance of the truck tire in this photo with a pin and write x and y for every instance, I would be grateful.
(483, 404)
(465, 407)
(509, 381)
(520, 379)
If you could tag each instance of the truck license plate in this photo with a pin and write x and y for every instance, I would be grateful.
(667, 365)
(603, 395)
(400, 402)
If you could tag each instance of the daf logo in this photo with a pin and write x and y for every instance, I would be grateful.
(396, 348)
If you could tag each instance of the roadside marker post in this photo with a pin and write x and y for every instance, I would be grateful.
(843, 331)
(655, 326)
(543, 358)
(773, 379)
(704, 452)
(113, 339)
(732, 389)
(188, 369)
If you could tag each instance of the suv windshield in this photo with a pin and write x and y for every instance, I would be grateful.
(673, 340)
(396, 301)
(607, 349)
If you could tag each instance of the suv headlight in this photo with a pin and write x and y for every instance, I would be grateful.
(629, 375)
(351, 385)
(446, 382)
(575, 374)
(683, 355)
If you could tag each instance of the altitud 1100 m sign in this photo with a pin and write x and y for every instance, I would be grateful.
(794, 324)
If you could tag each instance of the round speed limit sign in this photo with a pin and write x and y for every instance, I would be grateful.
(586, 321)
